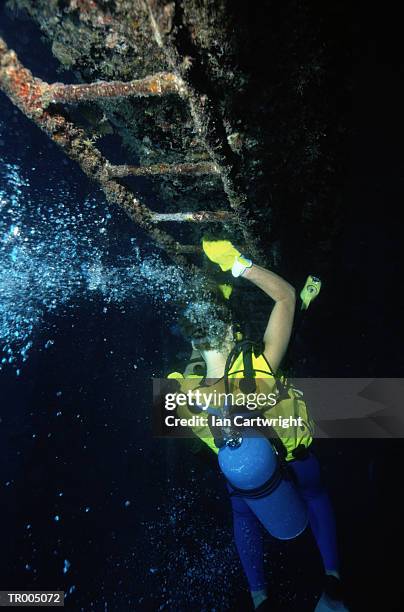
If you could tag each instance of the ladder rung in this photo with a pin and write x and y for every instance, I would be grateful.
(189, 249)
(159, 84)
(203, 167)
(201, 216)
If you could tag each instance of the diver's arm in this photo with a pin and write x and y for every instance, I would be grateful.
(279, 327)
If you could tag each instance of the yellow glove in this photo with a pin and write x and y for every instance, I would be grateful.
(221, 252)
(226, 256)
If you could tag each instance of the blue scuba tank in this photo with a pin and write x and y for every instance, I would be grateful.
(252, 467)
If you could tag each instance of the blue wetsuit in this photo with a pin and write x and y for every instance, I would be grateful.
(248, 530)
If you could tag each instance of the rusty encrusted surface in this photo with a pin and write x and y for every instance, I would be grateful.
(207, 125)
(254, 105)
(196, 168)
(26, 92)
(202, 216)
(128, 39)
(159, 84)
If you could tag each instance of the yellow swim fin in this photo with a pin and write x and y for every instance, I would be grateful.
(221, 252)
(310, 291)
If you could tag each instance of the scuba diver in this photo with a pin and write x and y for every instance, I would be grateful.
(294, 493)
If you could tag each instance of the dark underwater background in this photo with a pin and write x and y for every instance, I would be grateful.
(92, 503)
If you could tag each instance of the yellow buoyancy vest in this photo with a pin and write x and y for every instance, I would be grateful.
(289, 402)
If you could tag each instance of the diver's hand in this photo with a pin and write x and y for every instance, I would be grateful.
(226, 256)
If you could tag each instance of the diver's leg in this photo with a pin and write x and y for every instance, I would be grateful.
(321, 513)
(248, 535)
(322, 522)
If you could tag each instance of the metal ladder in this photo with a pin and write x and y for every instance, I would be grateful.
(41, 102)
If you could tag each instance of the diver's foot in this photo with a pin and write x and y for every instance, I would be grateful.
(331, 599)
(269, 604)
(259, 598)
(264, 606)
